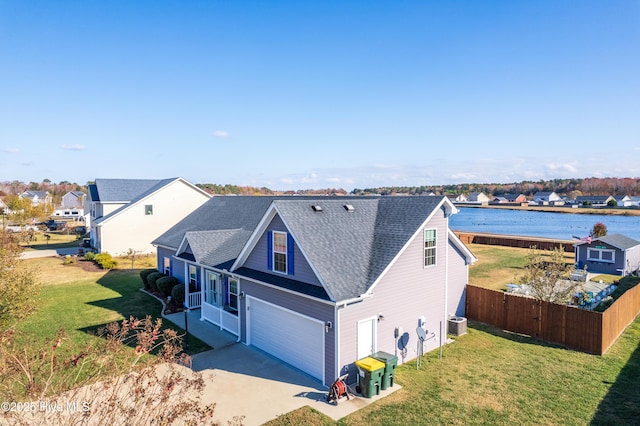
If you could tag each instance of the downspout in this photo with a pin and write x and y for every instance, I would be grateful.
(446, 282)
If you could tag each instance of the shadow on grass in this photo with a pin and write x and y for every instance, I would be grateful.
(621, 405)
(514, 337)
(132, 302)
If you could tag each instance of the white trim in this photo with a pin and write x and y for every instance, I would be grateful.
(460, 245)
(374, 335)
(286, 290)
(257, 234)
(600, 252)
(449, 209)
(306, 317)
(273, 252)
(129, 204)
(434, 248)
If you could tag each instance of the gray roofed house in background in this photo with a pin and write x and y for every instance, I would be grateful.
(614, 254)
(127, 214)
(308, 279)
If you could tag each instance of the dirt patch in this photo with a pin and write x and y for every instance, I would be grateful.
(86, 265)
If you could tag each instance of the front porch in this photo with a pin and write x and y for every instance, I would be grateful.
(203, 330)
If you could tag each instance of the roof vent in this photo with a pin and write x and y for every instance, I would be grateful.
(316, 208)
(349, 208)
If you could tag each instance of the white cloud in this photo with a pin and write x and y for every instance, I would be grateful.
(74, 147)
(11, 150)
(221, 134)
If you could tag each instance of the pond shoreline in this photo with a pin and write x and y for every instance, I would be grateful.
(613, 211)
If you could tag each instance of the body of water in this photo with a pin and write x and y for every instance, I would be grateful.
(540, 224)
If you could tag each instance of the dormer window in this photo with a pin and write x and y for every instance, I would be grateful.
(280, 252)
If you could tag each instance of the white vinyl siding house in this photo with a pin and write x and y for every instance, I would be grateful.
(124, 220)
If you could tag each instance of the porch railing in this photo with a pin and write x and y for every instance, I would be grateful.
(194, 300)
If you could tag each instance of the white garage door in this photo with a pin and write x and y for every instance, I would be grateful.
(296, 339)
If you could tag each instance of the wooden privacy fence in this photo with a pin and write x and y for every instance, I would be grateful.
(575, 328)
(514, 241)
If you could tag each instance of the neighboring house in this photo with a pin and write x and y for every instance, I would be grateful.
(546, 198)
(37, 197)
(478, 197)
(634, 201)
(321, 282)
(612, 254)
(73, 200)
(129, 213)
(3, 207)
(457, 198)
(593, 200)
(509, 199)
(622, 200)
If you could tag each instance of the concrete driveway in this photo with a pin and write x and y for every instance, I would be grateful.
(33, 254)
(245, 381)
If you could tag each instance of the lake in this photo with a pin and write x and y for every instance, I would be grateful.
(540, 224)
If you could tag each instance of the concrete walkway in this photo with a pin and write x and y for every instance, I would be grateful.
(245, 381)
(34, 254)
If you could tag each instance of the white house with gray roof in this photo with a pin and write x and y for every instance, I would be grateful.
(320, 282)
(129, 213)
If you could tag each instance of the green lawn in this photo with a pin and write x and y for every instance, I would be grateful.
(491, 377)
(80, 302)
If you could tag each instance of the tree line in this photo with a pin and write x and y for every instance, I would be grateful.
(564, 187)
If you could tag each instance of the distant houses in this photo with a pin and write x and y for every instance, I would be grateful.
(544, 198)
(37, 197)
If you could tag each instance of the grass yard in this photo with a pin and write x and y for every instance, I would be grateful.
(498, 266)
(79, 302)
(491, 377)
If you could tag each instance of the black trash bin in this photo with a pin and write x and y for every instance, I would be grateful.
(390, 363)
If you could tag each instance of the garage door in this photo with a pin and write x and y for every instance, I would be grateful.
(296, 339)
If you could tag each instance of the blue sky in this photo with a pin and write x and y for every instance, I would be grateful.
(298, 94)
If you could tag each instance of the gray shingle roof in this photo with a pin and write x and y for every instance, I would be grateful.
(218, 213)
(348, 250)
(124, 190)
(620, 241)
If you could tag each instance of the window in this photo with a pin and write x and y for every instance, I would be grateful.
(600, 255)
(193, 277)
(232, 294)
(429, 247)
(148, 209)
(167, 266)
(212, 293)
(280, 252)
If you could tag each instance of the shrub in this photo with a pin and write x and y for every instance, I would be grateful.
(177, 293)
(105, 261)
(89, 256)
(166, 284)
(152, 278)
(144, 274)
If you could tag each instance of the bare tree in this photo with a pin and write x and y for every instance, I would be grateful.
(547, 275)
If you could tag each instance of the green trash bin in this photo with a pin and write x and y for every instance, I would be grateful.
(370, 372)
(390, 364)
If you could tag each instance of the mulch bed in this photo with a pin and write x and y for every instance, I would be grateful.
(86, 265)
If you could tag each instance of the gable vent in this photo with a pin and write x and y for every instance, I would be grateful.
(316, 208)
(349, 208)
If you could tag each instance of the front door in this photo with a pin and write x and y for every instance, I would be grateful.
(366, 337)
